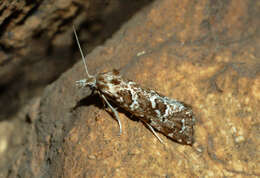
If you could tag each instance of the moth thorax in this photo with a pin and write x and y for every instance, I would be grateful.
(91, 82)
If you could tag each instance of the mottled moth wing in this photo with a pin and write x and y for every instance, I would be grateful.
(170, 117)
(177, 124)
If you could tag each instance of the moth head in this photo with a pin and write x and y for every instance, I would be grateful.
(89, 82)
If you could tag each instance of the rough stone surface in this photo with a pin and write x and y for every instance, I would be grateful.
(205, 53)
(36, 46)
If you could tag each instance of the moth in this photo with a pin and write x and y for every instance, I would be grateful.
(172, 118)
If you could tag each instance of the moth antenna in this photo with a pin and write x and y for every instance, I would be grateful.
(82, 55)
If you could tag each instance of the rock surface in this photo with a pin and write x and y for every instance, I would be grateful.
(205, 53)
(36, 47)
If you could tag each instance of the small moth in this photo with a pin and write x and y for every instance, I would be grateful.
(172, 118)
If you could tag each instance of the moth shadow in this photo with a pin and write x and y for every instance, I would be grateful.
(96, 100)
(119, 110)
(128, 114)
(93, 99)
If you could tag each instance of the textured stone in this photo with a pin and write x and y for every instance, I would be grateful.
(205, 53)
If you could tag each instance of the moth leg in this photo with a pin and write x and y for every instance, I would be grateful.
(105, 105)
(107, 108)
(155, 134)
(81, 83)
(115, 113)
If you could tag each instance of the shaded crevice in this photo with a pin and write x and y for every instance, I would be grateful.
(8, 20)
(30, 12)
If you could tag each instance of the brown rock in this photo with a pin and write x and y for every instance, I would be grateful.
(36, 46)
(204, 53)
